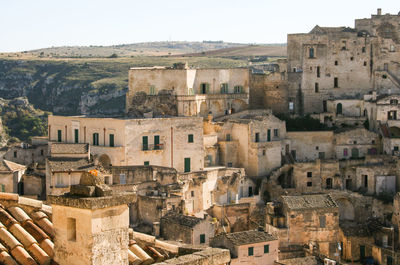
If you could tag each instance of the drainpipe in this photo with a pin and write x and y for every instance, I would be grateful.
(172, 147)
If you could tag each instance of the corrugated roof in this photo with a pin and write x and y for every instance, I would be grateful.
(66, 164)
(309, 201)
(248, 237)
(65, 148)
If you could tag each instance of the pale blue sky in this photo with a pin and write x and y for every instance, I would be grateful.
(32, 24)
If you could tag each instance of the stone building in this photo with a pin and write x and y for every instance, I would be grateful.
(341, 62)
(188, 229)
(169, 142)
(311, 145)
(193, 92)
(248, 247)
(11, 177)
(26, 154)
(305, 219)
(356, 143)
(251, 140)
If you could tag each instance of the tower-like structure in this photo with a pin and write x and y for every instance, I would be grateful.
(91, 225)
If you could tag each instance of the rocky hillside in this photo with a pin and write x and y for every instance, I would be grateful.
(20, 120)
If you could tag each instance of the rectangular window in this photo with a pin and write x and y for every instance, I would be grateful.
(122, 178)
(76, 134)
(309, 174)
(269, 135)
(309, 184)
(41, 152)
(250, 251)
(263, 152)
(71, 229)
(190, 138)
(322, 221)
(230, 164)
(145, 143)
(311, 52)
(111, 140)
(276, 132)
(365, 181)
(95, 139)
(59, 133)
(318, 71)
(392, 115)
(257, 137)
(202, 239)
(2, 188)
(224, 88)
(187, 164)
(15, 154)
(266, 249)
(152, 90)
(204, 88)
(156, 142)
(336, 62)
(345, 152)
(238, 89)
(192, 193)
(316, 87)
(335, 82)
(363, 49)
(146, 163)
(228, 137)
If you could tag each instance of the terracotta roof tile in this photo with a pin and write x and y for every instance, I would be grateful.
(309, 201)
(6, 259)
(248, 237)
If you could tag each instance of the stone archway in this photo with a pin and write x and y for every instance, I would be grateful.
(203, 109)
(105, 161)
(394, 132)
(216, 109)
(346, 210)
(238, 105)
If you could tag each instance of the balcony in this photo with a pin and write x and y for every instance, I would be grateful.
(152, 147)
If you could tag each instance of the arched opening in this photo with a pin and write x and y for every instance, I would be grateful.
(354, 153)
(346, 210)
(203, 109)
(238, 105)
(394, 132)
(329, 183)
(216, 108)
(339, 109)
(105, 161)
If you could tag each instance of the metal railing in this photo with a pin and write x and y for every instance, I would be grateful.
(151, 147)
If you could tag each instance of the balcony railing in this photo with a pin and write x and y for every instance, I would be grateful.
(152, 147)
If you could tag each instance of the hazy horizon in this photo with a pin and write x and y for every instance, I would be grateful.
(30, 25)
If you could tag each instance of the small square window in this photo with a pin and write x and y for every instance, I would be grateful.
(309, 184)
(146, 163)
(317, 148)
(336, 63)
(266, 249)
(365, 63)
(41, 152)
(250, 251)
(190, 138)
(351, 58)
(229, 164)
(15, 154)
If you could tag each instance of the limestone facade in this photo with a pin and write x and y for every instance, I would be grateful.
(172, 142)
(197, 91)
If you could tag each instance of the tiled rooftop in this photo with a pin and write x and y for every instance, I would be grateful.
(248, 237)
(65, 164)
(65, 148)
(181, 219)
(6, 165)
(309, 201)
(26, 231)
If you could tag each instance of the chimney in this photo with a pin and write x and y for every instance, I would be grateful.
(91, 224)
(379, 12)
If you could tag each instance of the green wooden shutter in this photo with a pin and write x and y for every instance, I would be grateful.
(145, 142)
(156, 142)
(269, 135)
(207, 88)
(190, 138)
(251, 251)
(187, 164)
(76, 131)
(266, 248)
(111, 140)
(59, 135)
(2, 188)
(202, 238)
